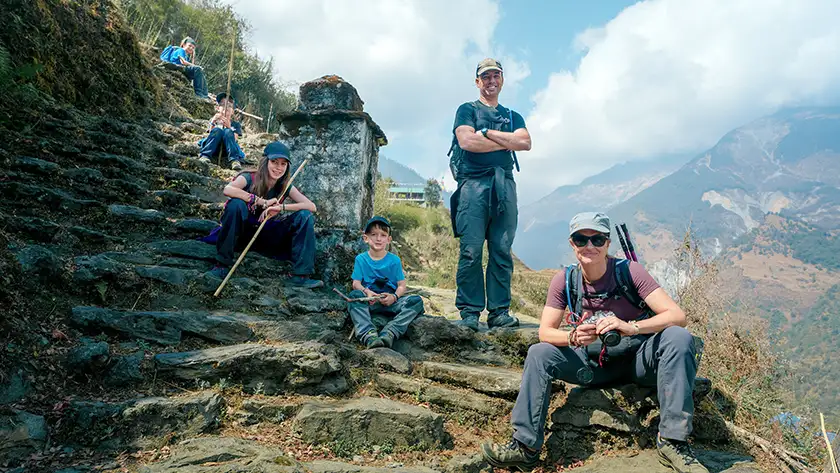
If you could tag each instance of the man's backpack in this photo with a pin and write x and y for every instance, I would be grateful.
(456, 154)
(624, 288)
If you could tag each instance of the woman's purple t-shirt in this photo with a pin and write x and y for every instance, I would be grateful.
(622, 308)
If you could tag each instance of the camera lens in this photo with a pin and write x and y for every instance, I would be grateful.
(611, 338)
(585, 375)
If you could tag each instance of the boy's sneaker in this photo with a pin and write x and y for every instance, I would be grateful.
(204, 159)
(470, 321)
(678, 456)
(306, 283)
(510, 456)
(387, 338)
(502, 321)
(373, 341)
(219, 271)
(235, 165)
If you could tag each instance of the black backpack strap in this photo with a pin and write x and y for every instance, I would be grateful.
(574, 292)
(626, 287)
(513, 153)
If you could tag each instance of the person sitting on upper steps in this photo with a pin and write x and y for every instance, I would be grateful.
(222, 134)
(180, 56)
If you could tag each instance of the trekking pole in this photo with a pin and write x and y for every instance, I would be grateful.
(245, 251)
(268, 123)
(249, 115)
(629, 242)
(229, 99)
(623, 243)
(357, 299)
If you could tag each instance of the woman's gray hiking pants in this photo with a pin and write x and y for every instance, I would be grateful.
(665, 360)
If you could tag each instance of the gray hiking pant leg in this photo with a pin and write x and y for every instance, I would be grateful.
(544, 363)
(360, 315)
(405, 310)
(471, 220)
(500, 235)
(667, 361)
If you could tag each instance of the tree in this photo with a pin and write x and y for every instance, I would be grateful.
(432, 192)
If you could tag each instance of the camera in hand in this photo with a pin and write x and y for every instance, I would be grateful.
(611, 338)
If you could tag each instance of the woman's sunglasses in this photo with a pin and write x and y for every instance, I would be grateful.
(598, 240)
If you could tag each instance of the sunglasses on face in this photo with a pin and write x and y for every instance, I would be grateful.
(598, 240)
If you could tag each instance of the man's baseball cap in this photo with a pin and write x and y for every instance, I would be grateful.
(276, 150)
(590, 221)
(488, 64)
(377, 218)
(188, 40)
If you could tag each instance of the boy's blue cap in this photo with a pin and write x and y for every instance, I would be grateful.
(223, 96)
(377, 218)
(276, 150)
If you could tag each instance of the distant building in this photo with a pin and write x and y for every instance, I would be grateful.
(408, 193)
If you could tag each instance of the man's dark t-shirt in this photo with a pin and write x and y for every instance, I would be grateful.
(478, 116)
(621, 308)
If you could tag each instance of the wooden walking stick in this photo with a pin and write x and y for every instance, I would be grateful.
(229, 98)
(245, 251)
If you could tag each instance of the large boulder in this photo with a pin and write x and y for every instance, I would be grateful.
(21, 434)
(306, 367)
(329, 93)
(356, 424)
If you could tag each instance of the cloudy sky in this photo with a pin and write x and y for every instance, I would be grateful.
(598, 83)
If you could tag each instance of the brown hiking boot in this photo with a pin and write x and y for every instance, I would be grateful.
(678, 456)
(511, 456)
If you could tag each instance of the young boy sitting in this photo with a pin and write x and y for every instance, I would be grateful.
(222, 132)
(378, 273)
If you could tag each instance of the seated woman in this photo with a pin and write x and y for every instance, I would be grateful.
(653, 348)
(180, 56)
(221, 138)
(290, 236)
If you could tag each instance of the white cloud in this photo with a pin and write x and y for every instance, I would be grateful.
(671, 76)
(412, 61)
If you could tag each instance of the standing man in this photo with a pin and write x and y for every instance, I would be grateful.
(486, 137)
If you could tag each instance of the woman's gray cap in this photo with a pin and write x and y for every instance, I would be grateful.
(590, 221)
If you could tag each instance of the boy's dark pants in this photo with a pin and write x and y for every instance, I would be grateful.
(405, 310)
(196, 74)
(287, 236)
(665, 360)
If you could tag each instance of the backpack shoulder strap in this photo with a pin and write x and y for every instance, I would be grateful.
(574, 293)
(626, 288)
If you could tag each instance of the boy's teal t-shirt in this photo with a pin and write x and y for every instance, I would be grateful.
(378, 276)
(176, 54)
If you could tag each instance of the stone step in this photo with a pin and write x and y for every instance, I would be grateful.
(426, 391)
(386, 359)
(305, 367)
(164, 328)
(647, 461)
(256, 410)
(140, 423)
(493, 381)
(358, 423)
(228, 454)
(21, 434)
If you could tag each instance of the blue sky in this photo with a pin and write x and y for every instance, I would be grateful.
(599, 82)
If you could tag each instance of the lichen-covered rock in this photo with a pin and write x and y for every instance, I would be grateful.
(142, 422)
(426, 391)
(387, 359)
(437, 332)
(300, 367)
(357, 423)
(253, 411)
(329, 93)
(90, 356)
(165, 328)
(21, 433)
(501, 382)
(39, 261)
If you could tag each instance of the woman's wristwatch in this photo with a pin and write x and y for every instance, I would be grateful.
(635, 326)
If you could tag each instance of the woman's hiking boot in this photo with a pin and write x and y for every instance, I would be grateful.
(678, 456)
(510, 456)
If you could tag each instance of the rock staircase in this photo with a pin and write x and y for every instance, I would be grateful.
(157, 375)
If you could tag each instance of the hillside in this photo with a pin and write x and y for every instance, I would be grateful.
(399, 172)
(118, 357)
(540, 238)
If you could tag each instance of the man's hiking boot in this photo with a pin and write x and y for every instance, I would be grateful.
(387, 338)
(470, 321)
(510, 456)
(678, 456)
(219, 271)
(306, 283)
(373, 341)
(502, 321)
(236, 165)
